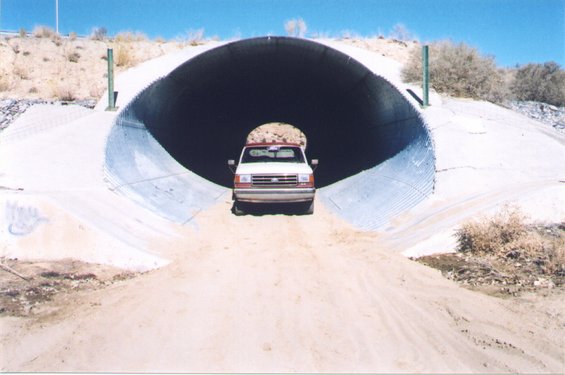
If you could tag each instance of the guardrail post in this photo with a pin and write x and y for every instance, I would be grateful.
(425, 77)
(111, 93)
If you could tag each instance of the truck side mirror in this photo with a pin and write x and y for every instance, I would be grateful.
(314, 164)
(231, 165)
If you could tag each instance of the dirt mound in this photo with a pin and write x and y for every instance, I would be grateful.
(277, 132)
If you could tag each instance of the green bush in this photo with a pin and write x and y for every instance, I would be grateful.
(458, 70)
(541, 83)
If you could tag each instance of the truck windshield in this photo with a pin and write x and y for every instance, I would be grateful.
(270, 154)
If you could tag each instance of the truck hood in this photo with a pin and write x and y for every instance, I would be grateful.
(268, 168)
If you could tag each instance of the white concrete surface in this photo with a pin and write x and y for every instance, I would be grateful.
(55, 201)
(487, 156)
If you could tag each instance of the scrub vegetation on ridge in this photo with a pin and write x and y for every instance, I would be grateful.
(44, 64)
(458, 69)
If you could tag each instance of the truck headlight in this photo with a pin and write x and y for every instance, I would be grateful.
(243, 178)
(305, 178)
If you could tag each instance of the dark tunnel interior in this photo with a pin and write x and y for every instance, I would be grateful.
(209, 104)
(169, 147)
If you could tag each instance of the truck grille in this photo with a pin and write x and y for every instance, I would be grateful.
(274, 180)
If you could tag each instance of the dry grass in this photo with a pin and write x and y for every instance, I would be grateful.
(98, 34)
(124, 55)
(492, 235)
(63, 91)
(73, 57)
(130, 36)
(44, 32)
(22, 71)
(507, 236)
(192, 38)
(4, 82)
(503, 256)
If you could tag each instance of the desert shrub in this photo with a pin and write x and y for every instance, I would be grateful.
(44, 32)
(401, 33)
(22, 71)
(458, 70)
(4, 82)
(73, 57)
(540, 82)
(130, 36)
(22, 32)
(56, 39)
(507, 236)
(97, 90)
(99, 33)
(193, 37)
(296, 27)
(349, 34)
(492, 235)
(123, 55)
(64, 92)
(320, 35)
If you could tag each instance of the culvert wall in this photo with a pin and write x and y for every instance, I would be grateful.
(169, 145)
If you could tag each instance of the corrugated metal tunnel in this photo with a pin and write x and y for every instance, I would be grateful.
(169, 146)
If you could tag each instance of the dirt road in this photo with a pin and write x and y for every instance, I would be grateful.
(283, 293)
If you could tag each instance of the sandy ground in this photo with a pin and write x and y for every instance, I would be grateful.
(285, 293)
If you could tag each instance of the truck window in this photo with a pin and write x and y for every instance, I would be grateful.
(270, 154)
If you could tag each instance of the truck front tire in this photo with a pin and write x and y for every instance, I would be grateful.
(237, 211)
(309, 210)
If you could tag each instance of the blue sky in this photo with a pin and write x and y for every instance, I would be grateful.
(513, 31)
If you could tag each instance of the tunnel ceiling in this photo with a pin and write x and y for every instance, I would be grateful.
(202, 112)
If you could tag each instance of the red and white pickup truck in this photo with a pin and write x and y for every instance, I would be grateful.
(273, 173)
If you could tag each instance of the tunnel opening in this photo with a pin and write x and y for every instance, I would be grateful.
(372, 144)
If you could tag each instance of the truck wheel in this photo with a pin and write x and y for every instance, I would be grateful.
(309, 208)
(237, 211)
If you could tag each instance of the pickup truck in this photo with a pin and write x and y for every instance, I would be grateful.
(273, 173)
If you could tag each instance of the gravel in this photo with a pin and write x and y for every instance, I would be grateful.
(548, 114)
(10, 109)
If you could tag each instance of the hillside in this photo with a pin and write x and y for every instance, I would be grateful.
(69, 69)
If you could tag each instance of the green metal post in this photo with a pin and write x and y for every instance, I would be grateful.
(111, 94)
(425, 77)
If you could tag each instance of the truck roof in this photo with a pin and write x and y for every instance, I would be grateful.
(262, 144)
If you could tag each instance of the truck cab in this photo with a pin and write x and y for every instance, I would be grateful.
(273, 173)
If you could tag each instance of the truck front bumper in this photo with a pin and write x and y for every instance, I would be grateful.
(274, 195)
